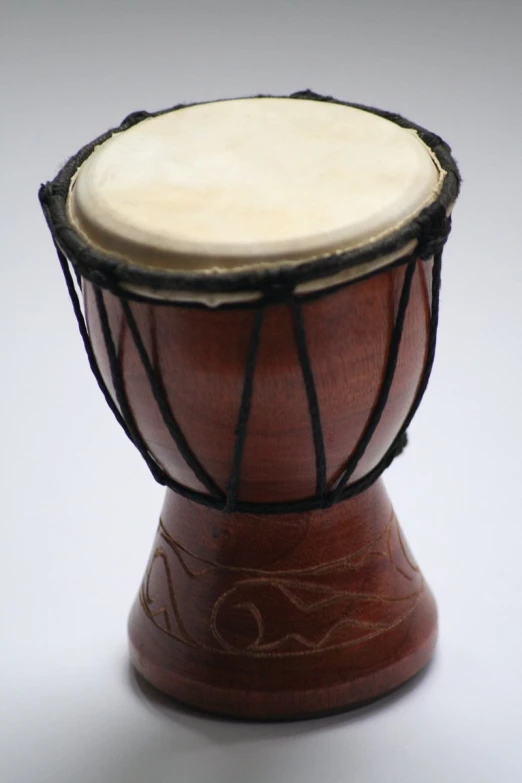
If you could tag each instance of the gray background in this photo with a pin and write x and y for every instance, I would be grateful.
(78, 509)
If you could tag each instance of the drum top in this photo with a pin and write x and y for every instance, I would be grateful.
(251, 182)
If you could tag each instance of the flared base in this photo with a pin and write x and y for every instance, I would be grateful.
(281, 617)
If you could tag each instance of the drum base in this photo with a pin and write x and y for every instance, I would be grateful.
(281, 617)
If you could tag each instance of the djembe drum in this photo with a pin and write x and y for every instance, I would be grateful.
(260, 280)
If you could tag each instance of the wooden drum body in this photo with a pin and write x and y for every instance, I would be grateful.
(280, 584)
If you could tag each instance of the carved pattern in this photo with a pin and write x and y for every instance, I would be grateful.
(321, 592)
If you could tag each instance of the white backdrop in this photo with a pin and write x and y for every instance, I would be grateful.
(78, 508)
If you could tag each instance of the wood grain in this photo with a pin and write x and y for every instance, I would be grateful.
(289, 615)
(281, 617)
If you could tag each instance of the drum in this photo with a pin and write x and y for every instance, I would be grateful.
(260, 281)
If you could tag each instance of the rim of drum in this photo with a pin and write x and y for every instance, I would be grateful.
(422, 235)
(422, 238)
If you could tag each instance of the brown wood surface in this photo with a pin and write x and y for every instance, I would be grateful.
(290, 615)
(200, 355)
(281, 616)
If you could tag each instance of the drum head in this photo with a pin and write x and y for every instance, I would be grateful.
(249, 183)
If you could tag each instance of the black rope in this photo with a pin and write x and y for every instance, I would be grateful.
(119, 389)
(273, 284)
(170, 422)
(432, 344)
(231, 502)
(401, 438)
(115, 274)
(382, 399)
(267, 296)
(311, 394)
(244, 412)
(93, 364)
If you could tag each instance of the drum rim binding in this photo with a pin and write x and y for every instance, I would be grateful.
(429, 230)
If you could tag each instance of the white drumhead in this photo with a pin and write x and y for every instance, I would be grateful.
(247, 182)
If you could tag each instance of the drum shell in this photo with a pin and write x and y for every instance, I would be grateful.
(200, 355)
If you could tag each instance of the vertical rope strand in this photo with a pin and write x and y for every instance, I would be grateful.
(119, 389)
(368, 480)
(432, 344)
(159, 393)
(382, 399)
(311, 395)
(82, 326)
(244, 411)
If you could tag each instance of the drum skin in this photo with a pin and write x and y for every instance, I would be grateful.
(276, 616)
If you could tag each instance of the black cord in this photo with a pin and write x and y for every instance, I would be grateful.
(274, 285)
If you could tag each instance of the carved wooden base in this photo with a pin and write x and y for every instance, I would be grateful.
(285, 616)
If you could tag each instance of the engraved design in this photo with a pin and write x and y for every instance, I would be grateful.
(319, 599)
